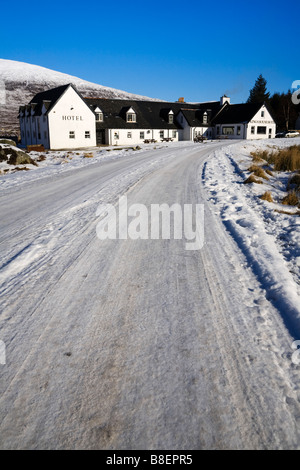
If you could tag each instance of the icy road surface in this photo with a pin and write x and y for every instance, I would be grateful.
(136, 344)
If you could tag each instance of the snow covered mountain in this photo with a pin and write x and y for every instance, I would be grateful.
(20, 81)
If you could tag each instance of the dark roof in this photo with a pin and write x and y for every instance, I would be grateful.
(235, 113)
(49, 98)
(49, 95)
(194, 117)
(149, 114)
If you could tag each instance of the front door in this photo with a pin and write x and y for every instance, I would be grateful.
(100, 136)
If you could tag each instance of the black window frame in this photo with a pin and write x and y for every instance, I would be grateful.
(259, 130)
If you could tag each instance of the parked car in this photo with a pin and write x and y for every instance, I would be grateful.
(280, 134)
(292, 134)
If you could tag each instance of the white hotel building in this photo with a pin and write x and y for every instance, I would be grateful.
(57, 119)
(61, 118)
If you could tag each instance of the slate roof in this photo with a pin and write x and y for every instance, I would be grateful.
(149, 114)
(194, 116)
(48, 98)
(237, 113)
(49, 95)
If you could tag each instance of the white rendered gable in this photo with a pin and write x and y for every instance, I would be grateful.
(71, 116)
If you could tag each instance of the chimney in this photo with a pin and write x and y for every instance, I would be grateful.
(224, 99)
(181, 100)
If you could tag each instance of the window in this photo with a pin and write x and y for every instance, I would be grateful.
(161, 134)
(87, 134)
(142, 135)
(72, 135)
(130, 115)
(45, 134)
(262, 114)
(228, 130)
(129, 135)
(116, 135)
(238, 130)
(174, 134)
(99, 117)
(171, 117)
(252, 129)
(205, 118)
(261, 129)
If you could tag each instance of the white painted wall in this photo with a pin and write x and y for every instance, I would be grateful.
(205, 131)
(246, 128)
(237, 134)
(261, 121)
(121, 136)
(22, 130)
(34, 131)
(70, 113)
(185, 133)
(188, 133)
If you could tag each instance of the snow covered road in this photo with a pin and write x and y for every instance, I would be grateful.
(136, 344)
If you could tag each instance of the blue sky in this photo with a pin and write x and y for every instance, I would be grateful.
(161, 49)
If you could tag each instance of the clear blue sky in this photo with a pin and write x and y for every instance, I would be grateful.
(161, 49)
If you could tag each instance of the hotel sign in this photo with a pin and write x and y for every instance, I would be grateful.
(72, 118)
(262, 122)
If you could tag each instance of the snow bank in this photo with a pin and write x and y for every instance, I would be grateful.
(270, 240)
(50, 163)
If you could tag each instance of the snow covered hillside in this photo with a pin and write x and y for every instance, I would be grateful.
(22, 81)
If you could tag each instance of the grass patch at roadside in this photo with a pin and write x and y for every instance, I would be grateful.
(291, 199)
(258, 171)
(267, 196)
(252, 179)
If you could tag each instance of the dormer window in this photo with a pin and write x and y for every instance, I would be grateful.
(130, 115)
(99, 115)
(171, 117)
(205, 118)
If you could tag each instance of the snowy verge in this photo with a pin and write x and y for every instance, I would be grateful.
(270, 240)
(51, 163)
